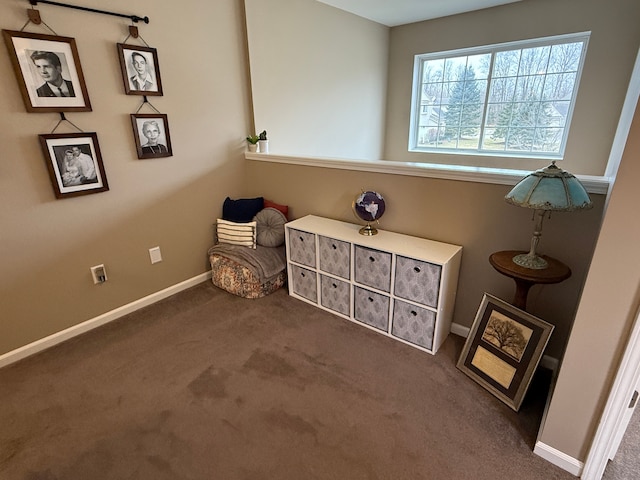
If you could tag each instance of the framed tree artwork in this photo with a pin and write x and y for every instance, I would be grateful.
(503, 349)
(74, 163)
(48, 71)
(140, 70)
(151, 134)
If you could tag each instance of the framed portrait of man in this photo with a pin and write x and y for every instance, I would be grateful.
(74, 163)
(140, 70)
(48, 71)
(151, 134)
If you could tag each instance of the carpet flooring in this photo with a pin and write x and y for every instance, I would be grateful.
(206, 385)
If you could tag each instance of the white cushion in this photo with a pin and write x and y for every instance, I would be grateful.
(236, 233)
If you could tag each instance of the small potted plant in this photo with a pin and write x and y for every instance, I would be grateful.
(263, 143)
(252, 142)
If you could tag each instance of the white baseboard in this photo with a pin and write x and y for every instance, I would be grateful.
(550, 454)
(559, 459)
(460, 330)
(551, 363)
(59, 337)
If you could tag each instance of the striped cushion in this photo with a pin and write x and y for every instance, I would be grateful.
(236, 233)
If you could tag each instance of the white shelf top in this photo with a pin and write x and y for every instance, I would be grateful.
(406, 245)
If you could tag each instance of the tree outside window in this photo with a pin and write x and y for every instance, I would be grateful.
(508, 99)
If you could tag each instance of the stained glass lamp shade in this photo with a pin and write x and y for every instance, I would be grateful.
(550, 189)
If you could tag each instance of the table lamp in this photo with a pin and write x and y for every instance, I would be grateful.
(547, 190)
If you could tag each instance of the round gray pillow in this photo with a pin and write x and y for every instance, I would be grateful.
(270, 227)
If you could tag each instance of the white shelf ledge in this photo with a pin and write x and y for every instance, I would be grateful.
(593, 184)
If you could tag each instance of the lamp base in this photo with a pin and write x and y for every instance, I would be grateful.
(368, 230)
(533, 262)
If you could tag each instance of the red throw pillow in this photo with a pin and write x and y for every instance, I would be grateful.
(283, 208)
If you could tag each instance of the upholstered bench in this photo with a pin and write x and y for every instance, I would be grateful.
(249, 258)
(240, 275)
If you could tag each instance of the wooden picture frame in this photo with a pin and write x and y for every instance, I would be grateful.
(74, 163)
(503, 349)
(48, 71)
(151, 134)
(140, 70)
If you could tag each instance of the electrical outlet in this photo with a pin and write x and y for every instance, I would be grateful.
(99, 274)
(155, 255)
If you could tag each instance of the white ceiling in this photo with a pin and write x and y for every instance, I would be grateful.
(400, 12)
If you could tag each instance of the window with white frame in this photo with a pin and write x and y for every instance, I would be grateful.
(513, 99)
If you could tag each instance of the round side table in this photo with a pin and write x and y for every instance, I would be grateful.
(525, 278)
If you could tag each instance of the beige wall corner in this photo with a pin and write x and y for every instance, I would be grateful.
(604, 318)
(47, 246)
(470, 214)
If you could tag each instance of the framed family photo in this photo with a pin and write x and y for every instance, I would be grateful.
(503, 349)
(48, 71)
(151, 134)
(74, 163)
(140, 70)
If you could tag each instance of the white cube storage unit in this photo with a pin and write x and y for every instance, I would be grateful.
(398, 285)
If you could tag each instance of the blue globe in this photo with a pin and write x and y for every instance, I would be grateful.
(369, 206)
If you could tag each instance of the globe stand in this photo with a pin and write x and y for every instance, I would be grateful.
(368, 230)
(368, 207)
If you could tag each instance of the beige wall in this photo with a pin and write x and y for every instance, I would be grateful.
(612, 49)
(318, 77)
(46, 245)
(473, 215)
(332, 91)
(605, 317)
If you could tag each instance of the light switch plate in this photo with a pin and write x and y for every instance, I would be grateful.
(155, 255)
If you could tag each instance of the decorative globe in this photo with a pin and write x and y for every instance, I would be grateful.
(369, 206)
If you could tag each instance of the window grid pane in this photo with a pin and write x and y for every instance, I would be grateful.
(516, 100)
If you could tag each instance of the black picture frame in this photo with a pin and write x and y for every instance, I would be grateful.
(130, 56)
(145, 146)
(503, 349)
(41, 61)
(82, 175)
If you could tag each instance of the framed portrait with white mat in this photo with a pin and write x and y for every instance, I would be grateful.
(151, 134)
(48, 71)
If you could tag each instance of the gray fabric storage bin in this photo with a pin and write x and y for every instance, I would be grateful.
(302, 247)
(303, 283)
(417, 281)
(371, 308)
(413, 324)
(373, 268)
(335, 256)
(335, 294)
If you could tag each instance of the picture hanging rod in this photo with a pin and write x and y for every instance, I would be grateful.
(134, 18)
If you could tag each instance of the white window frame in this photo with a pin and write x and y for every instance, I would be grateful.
(416, 107)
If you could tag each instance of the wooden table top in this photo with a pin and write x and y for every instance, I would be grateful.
(555, 272)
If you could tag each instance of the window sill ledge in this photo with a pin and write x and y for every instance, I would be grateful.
(593, 184)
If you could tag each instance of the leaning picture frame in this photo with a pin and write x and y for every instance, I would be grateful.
(151, 134)
(48, 71)
(140, 70)
(74, 163)
(503, 349)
